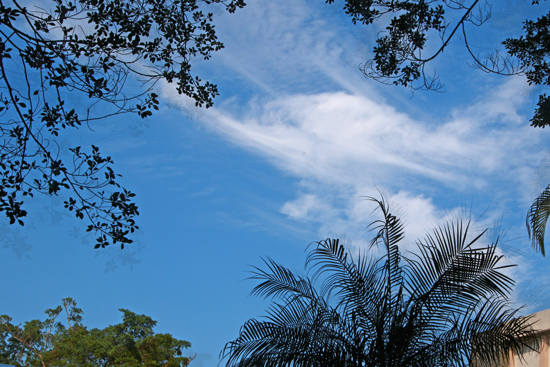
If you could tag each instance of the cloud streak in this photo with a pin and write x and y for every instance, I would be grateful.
(340, 138)
(354, 143)
(311, 114)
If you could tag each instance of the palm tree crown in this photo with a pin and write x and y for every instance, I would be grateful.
(441, 307)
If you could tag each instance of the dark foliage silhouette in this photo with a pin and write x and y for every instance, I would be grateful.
(416, 32)
(64, 64)
(443, 306)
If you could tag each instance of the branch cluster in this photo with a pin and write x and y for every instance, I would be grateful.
(418, 31)
(87, 49)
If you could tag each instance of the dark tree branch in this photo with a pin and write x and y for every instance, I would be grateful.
(90, 47)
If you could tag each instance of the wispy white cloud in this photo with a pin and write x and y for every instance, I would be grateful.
(352, 144)
(311, 114)
(339, 138)
(277, 47)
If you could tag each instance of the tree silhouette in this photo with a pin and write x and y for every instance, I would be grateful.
(445, 306)
(416, 32)
(66, 64)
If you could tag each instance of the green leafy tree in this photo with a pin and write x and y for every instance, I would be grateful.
(67, 63)
(445, 306)
(131, 343)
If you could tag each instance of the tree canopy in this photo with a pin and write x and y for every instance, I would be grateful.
(400, 51)
(448, 305)
(54, 55)
(46, 343)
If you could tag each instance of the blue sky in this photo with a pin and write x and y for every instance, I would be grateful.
(296, 140)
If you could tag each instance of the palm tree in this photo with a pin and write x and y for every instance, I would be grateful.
(537, 217)
(445, 306)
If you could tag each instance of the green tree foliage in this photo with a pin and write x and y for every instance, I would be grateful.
(400, 55)
(55, 54)
(131, 343)
(445, 306)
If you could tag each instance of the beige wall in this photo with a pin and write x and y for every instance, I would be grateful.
(542, 320)
(530, 358)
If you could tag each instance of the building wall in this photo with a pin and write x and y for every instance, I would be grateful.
(538, 357)
(529, 358)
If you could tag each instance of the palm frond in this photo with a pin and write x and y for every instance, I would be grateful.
(278, 281)
(352, 283)
(450, 270)
(299, 331)
(443, 306)
(536, 220)
(390, 233)
(496, 329)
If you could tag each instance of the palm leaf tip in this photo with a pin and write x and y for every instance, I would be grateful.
(537, 218)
